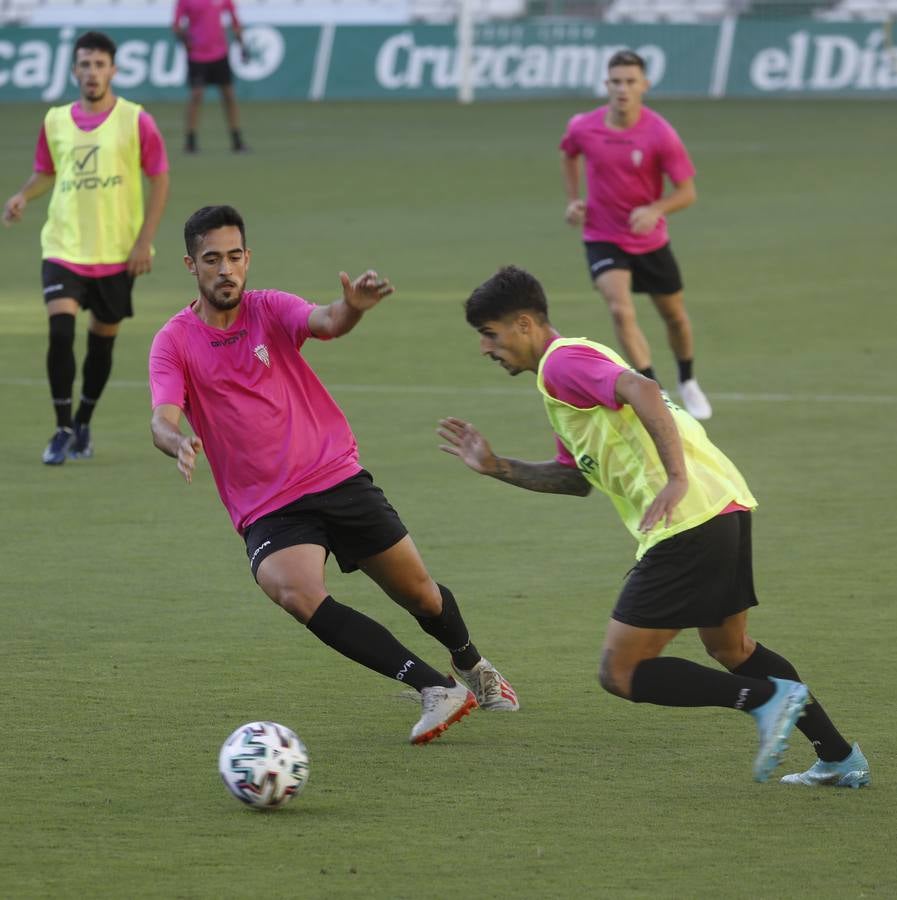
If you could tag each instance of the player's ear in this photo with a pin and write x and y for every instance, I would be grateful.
(248, 255)
(190, 264)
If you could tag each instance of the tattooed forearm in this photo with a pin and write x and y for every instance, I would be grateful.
(548, 477)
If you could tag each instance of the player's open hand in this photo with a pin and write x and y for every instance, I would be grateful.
(644, 219)
(465, 442)
(575, 213)
(12, 211)
(188, 448)
(366, 291)
(664, 504)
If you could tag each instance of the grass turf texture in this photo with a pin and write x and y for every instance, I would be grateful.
(134, 639)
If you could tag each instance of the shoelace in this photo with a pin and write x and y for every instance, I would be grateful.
(490, 683)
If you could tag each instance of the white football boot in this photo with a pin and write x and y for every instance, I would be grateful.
(489, 686)
(441, 707)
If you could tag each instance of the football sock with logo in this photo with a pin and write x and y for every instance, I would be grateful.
(449, 629)
(61, 366)
(95, 374)
(367, 642)
(686, 367)
(648, 373)
(815, 724)
(669, 681)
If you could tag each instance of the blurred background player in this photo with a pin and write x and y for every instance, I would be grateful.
(627, 150)
(685, 503)
(97, 237)
(198, 24)
(286, 465)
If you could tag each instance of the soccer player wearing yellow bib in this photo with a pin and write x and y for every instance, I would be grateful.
(97, 237)
(685, 503)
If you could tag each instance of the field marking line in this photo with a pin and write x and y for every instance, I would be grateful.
(448, 390)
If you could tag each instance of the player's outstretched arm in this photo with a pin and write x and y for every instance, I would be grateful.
(550, 477)
(168, 437)
(644, 396)
(39, 183)
(359, 295)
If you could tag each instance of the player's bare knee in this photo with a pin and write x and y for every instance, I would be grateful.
(611, 677)
(422, 597)
(299, 604)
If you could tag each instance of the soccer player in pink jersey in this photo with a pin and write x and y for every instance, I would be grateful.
(98, 235)
(198, 25)
(627, 151)
(286, 465)
(685, 503)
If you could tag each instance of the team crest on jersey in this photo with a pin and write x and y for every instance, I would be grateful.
(637, 157)
(261, 351)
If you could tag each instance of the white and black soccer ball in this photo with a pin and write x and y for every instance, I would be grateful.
(264, 764)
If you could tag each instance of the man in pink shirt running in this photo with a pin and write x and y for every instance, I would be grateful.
(628, 150)
(286, 465)
(198, 25)
(98, 235)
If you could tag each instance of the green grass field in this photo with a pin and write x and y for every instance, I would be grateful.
(135, 640)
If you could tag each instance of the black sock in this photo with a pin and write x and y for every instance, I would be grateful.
(669, 681)
(648, 373)
(815, 724)
(367, 642)
(190, 141)
(97, 366)
(236, 139)
(685, 369)
(449, 629)
(61, 366)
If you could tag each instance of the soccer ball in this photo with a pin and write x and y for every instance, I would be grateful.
(264, 764)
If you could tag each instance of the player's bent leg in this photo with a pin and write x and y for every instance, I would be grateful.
(774, 703)
(615, 285)
(96, 371)
(729, 643)
(672, 310)
(625, 648)
(401, 573)
(61, 376)
(731, 646)
(294, 579)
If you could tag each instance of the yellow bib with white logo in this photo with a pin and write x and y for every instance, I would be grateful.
(616, 454)
(96, 210)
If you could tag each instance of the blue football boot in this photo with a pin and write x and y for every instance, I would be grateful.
(852, 772)
(775, 721)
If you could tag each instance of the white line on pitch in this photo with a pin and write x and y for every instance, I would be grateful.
(737, 397)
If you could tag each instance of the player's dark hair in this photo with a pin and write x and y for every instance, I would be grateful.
(94, 40)
(208, 219)
(510, 290)
(626, 58)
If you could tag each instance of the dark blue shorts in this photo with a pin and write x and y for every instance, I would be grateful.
(108, 298)
(353, 520)
(656, 272)
(695, 579)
